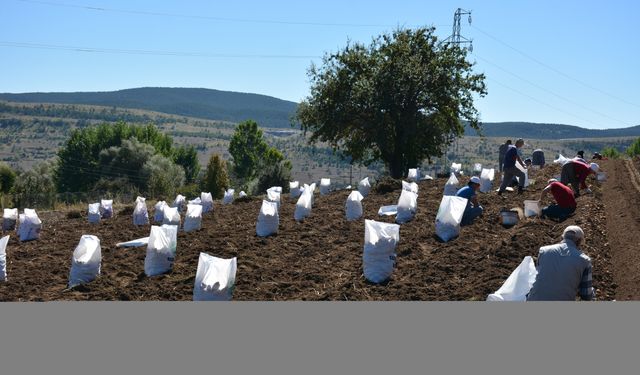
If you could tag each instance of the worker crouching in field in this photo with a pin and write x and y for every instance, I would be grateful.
(563, 270)
(565, 202)
(473, 208)
(575, 173)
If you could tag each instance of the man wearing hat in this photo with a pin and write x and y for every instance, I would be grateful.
(575, 173)
(563, 270)
(565, 201)
(510, 170)
(473, 209)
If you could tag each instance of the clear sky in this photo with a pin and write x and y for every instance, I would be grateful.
(568, 62)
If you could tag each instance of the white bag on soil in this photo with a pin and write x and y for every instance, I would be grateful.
(305, 202)
(486, 179)
(9, 219)
(294, 189)
(86, 261)
(3, 258)
(413, 175)
(407, 206)
(193, 218)
(207, 202)
(451, 187)
(144, 241)
(273, 194)
(29, 225)
(195, 201)
(179, 202)
(215, 278)
(161, 250)
(379, 257)
(410, 186)
(93, 213)
(171, 216)
(456, 168)
(518, 284)
(477, 168)
(325, 186)
(526, 174)
(353, 206)
(140, 212)
(106, 208)
(242, 194)
(228, 196)
(158, 214)
(449, 217)
(388, 210)
(364, 186)
(561, 160)
(268, 219)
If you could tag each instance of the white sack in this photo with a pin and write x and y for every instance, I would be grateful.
(561, 160)
(93, 213)
(193, 218)
(215, 278)
(273, 194)
(9, 219)
(179, 202)
(30, 225)
(294, 189)
(410, 186)
(451, 187)
(353, 206)
(486, 179)
(140, 212)
(449, 217)
(477, 168)
(195, 201)
(242, 194)
(3, 258)
(379, 257)
(325, 185)
(407, 206)
(106, 208)
(364, 187)
(158, 214)
(268, 219)
(518, 284)
(456, 168)
(161, 250)
(228, 196)
(305, 202)
(526, 174)
(388, 210)
(207, 202)
(413, 175)
(171, 216)
(144, 241)
(86, 261)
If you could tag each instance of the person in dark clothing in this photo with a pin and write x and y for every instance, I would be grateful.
(565, 201)
(473, 208)
(501, 152)
(575, 173)
(510, 170)
(538, 157)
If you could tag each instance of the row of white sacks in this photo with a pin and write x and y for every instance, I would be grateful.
(27, 224)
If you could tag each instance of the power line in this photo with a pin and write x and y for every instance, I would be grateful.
(556, 70)
(205, 17)
(148, 52)
(551, 92)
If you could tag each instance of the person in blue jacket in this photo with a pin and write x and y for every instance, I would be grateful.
(473, 208)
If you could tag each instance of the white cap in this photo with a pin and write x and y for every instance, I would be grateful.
(594, 167)
(475, 180)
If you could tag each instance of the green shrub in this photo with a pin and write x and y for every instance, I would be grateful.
(278, 174)
(36, 188)
(611, 153)
(216, 178)
(634, 148)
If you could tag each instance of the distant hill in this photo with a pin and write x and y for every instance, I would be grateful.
(532, 130)
(193, 102)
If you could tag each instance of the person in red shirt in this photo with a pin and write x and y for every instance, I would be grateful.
(565, 202)
(575, 172)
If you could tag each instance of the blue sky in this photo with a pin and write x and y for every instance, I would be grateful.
(569, 62)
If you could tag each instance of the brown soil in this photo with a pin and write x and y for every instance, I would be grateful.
(621, 195)
(318, 259)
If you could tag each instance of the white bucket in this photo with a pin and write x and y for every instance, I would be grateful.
(509, 217)
(601, 176)
(531, 208)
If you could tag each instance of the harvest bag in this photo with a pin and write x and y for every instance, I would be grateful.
(353, 206)
(3, 257)
(413, 175)
(451, 187)
(9, 219)
(179, 202)
(215, 278)
(449, 217)
(228, 196)
(94, 213)
(161, 250)
(305, 202)
(158, 215)
(364, 187)
(268, 219)
(379, 257)
(486, 179)
(407, 206)
(106, 208)
(294, 189)
(207, 202)
(325, 185)
(30, 225)
(193, 219)
(140, 213)
(86, 261)
(171, 216)
(518, 284)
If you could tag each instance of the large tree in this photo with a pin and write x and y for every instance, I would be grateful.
(401, 100)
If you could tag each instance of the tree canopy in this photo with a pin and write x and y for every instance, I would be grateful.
(400, 100)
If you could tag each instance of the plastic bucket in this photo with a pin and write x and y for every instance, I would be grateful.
(509, 218)
(601, 176)
(531, 208)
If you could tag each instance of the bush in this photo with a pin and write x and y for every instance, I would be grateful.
(386, 184)
(163, 176)
(216, 178)
(191, 191)
(278, 174)
(611, 153)
(7, 178)
(634, 148)
(36, 188)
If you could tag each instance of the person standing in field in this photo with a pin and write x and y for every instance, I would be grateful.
(510, 170)
(501, 152)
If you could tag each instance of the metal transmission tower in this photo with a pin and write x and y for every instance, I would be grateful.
(455, 37)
